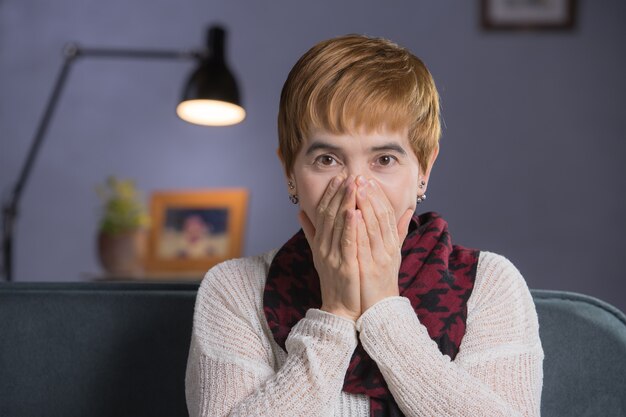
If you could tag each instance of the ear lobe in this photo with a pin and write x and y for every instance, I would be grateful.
(291, 184)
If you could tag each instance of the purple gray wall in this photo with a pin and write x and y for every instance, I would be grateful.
(531, 162)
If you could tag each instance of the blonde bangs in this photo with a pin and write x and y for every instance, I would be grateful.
(353, 108)
(357, 84)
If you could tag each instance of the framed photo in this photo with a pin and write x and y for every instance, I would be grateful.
(194, 230)
(528, 14)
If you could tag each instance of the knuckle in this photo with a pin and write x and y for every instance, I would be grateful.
(334, 262)
(346, 269)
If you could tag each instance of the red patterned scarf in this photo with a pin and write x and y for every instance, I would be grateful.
(436, 276)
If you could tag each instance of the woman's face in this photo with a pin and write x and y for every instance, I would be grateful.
(387, 158)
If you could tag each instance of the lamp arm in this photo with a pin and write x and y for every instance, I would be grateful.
(70, 53)
(137, 53)
(10, 206)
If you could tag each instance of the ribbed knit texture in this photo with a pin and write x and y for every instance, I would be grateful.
(236, 368)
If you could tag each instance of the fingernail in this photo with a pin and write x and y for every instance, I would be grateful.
(362, 191)
(372, 183)
(360, 180)
(349, 180)
(336, 181)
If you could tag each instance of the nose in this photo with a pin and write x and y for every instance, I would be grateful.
(357, 168)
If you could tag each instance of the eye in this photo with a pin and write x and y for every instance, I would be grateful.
(325, 160)
(386, 160)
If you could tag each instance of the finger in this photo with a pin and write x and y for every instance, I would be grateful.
(369, 216)
(331, 190)
(349, 236)
(364, 254)
(307, 226)
(403, 225)
(328, 217)
(348, 203)
(384, 213)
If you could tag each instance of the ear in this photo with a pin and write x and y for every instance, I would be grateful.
(425, 175)
(279, 154)
(288, 175)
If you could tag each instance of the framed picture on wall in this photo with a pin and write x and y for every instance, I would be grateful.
(196, 229)
(528, 14)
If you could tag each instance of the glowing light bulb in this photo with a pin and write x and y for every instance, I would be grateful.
(210, 112)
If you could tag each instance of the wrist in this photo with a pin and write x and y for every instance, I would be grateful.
(367, 302)
(341, 312)
(386, 311)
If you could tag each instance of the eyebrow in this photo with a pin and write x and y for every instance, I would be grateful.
(315, 146)
(318, 145)
(391, 146)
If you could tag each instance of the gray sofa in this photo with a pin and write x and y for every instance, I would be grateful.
(120, 349)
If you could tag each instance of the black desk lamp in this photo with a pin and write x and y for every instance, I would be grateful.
(210, 98)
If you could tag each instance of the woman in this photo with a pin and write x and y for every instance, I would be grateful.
(370, 309)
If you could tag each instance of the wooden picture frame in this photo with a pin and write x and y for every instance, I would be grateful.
(193, 230)
(528, 14)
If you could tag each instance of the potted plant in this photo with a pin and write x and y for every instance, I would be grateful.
(122, 230)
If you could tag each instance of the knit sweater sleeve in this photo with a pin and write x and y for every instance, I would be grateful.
(498, 370)
(232, 369)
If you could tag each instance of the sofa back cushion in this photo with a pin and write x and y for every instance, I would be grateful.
(120, 349)
(584, 342)
(94, 349)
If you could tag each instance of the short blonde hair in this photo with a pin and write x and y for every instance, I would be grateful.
(354, 82)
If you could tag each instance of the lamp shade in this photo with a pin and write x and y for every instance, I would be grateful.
(211, 96)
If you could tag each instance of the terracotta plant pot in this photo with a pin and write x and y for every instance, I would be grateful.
(122, 254)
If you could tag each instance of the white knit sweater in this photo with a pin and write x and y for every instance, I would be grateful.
(236, 368)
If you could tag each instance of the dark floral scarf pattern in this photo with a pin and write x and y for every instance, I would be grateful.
(435, 275)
